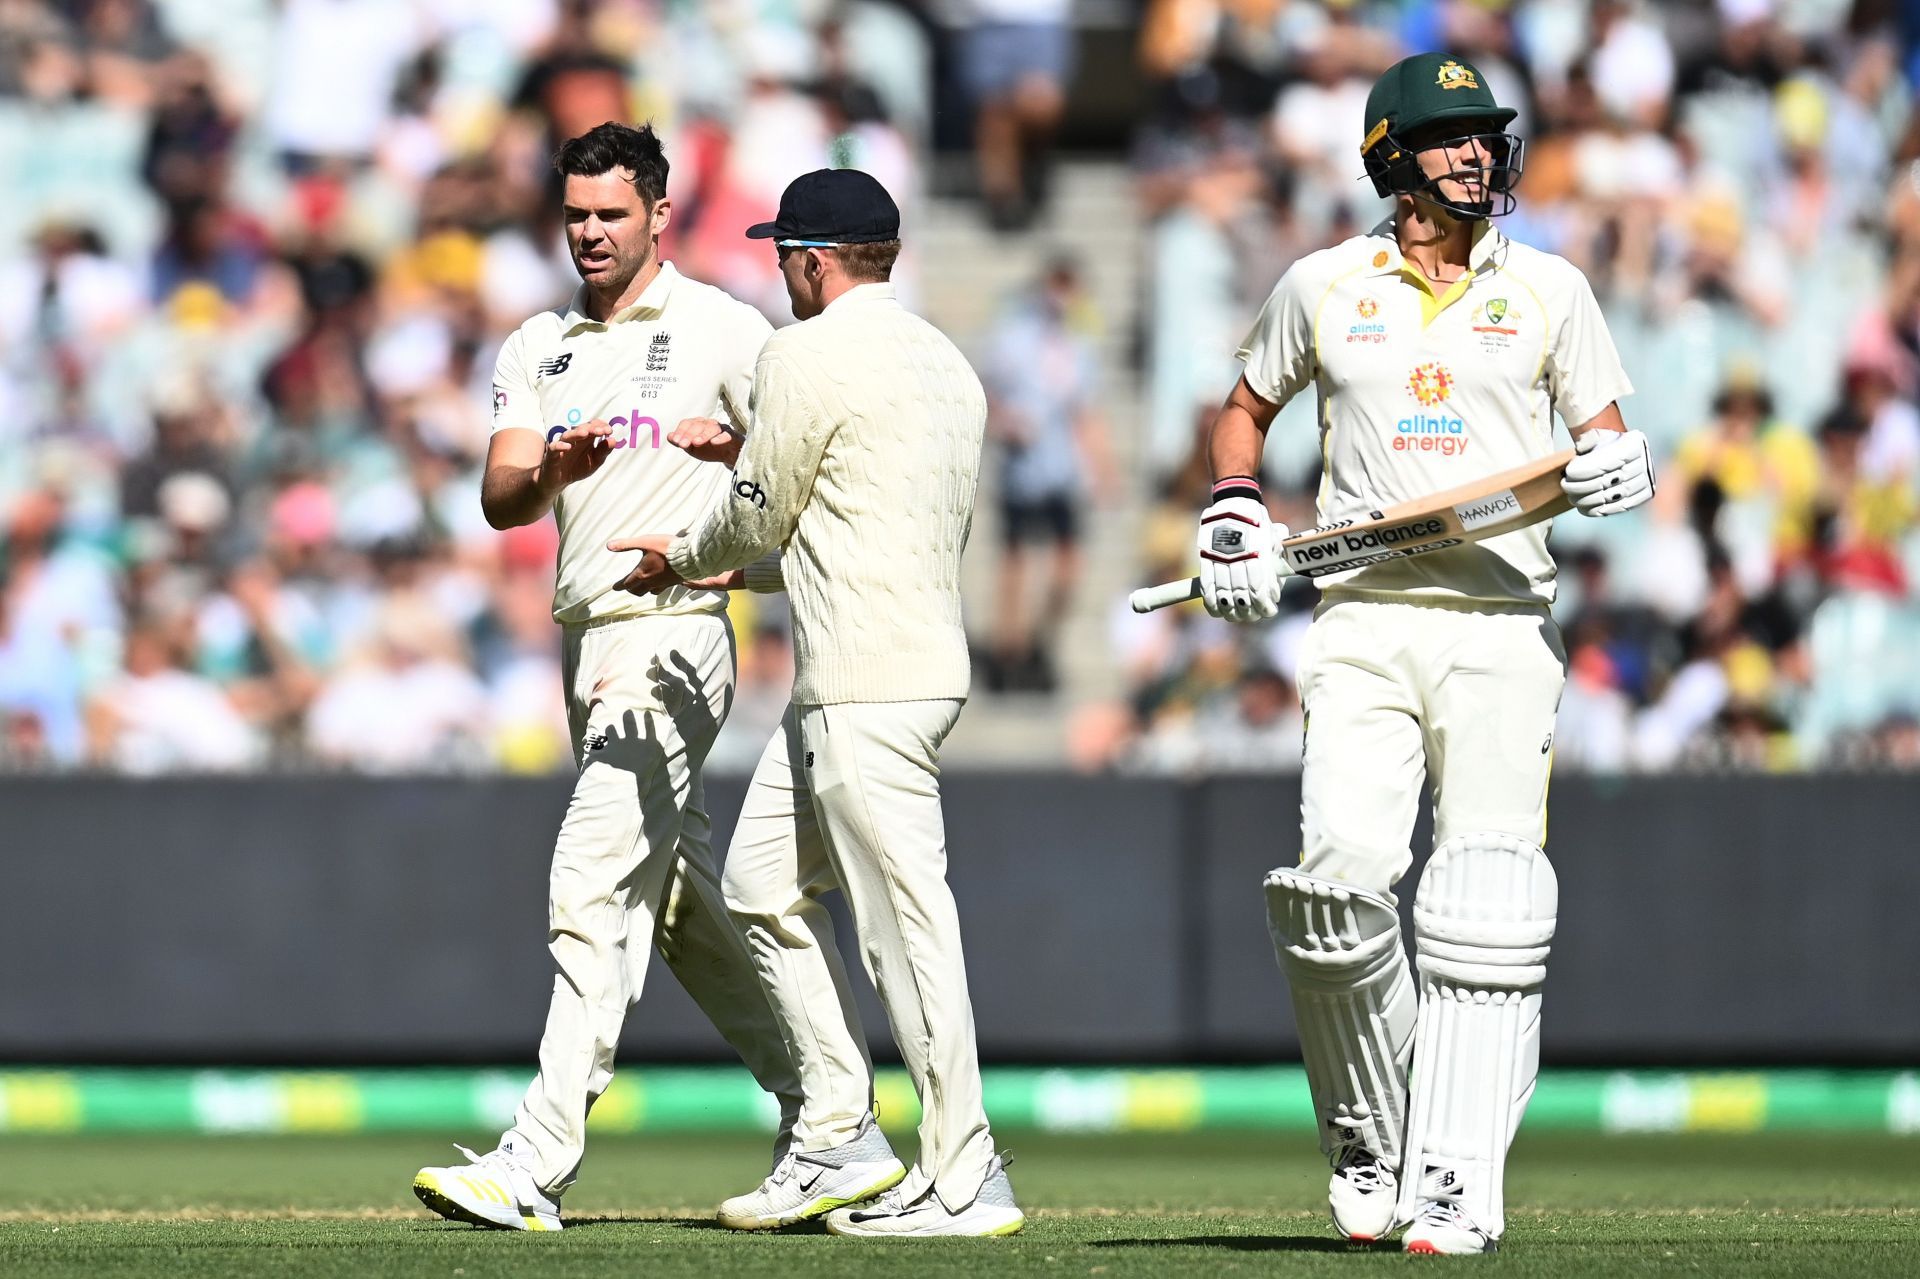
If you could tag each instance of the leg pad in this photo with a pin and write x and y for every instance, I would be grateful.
(1483, 924)
(1353, 1001)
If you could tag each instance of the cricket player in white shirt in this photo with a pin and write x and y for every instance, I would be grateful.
(582, 398)
(1440, 351)
(862, 464)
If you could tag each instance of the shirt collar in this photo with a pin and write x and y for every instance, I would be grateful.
(649, 305)
(1386, 259)
(878, 291)
(1487, 241)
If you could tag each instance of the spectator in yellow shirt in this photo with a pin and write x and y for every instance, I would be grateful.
(1755, 458)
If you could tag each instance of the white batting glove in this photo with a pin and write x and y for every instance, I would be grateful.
(1613, 473)
(1239, 565)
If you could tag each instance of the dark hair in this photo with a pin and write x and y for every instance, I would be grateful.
(611, 146)
(872, 261)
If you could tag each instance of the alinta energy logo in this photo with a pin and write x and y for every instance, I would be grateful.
(1430, 383)
(1443, 433)
(629, 428)
(1368, 329)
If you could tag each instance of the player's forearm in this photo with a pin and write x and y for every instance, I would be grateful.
(514, 495)
(744, 527)
(1239, 433)
(1235, 443)
(1607, 419)
(771, 482)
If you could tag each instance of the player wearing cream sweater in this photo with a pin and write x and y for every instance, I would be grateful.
(862, 464)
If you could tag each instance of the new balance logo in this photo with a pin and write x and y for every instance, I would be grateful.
(556, 366)
(597, 739)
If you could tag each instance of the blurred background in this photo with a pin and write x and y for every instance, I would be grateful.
(280, 719)
(258, 258)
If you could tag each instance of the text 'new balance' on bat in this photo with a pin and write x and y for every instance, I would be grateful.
(1485, 508)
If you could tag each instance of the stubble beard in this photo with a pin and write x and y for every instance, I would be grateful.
(614, 285)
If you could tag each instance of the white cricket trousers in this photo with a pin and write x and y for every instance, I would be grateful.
(633, 870)
(848, 796)
(1465, 692)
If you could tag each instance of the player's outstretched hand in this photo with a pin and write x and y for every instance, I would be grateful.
(1612, 473)
(707, 440)
(654, 573)
(1239, 554)
(575, 454)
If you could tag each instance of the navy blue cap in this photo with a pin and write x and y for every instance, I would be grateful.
(833, 206)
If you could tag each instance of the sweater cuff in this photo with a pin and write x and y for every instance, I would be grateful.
(680, 559)
(767, 575)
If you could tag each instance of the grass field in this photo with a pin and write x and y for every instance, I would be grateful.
(1116, 1206)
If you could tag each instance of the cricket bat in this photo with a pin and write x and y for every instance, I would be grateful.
(1485, 508)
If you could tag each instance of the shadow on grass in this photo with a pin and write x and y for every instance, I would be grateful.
(1252, 1243)
(695, 1223)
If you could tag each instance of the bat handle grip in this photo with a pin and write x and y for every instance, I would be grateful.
(1149, 598)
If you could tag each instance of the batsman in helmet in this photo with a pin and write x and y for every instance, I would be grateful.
(1441, 353)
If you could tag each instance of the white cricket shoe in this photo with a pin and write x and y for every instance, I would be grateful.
(992, 1212)
(493, 1190)
(811, 1183)
(1442, 1227)
(1361, 1193)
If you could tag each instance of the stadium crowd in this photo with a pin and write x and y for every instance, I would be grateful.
(258, 255)
(1741, 182)
(257, 258)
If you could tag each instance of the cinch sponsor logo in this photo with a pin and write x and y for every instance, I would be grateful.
(632, 421)
(1344, 550)
(1425, 433)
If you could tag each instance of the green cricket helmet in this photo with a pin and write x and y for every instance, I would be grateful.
(1432, 89)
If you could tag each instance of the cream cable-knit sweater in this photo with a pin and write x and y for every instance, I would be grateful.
(862, 462)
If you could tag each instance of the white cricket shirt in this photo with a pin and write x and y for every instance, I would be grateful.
(1420, 393)
(684, 349)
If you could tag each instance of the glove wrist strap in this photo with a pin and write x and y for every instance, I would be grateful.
(1236, 486)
